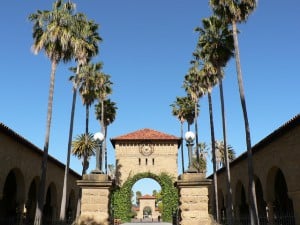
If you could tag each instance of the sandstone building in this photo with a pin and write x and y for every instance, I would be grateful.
(147, 209)
(19, 177)
(145, 150)
(276, 162)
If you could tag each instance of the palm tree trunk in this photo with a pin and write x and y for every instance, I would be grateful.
(87, 115)
(85, 162)
(181, 139)
(251, 187)
(64, 194)
(42, 183)
(213, 144)
(85, 159)
(103, 132)
(196, 131)
(229, 206)
(105, 151)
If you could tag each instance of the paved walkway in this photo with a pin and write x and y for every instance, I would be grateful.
(148, 223)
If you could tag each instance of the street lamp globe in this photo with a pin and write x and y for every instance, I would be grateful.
(189, 136)
(99, 136)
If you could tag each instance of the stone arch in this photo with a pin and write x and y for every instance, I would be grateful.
(261, 204)
(50, 206)
(31, 200)
(283, 204)
(71, 207)
(241, 202)
(222, 206)
(122, 196)
(269, 191)
(277, 190)
(12, 202)
(147, 211)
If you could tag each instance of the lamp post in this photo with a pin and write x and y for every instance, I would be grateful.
(98, 137)
(189, 138)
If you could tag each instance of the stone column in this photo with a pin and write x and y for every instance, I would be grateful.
(270, 212)
(95, 199)
(193, 198)
(295, 197)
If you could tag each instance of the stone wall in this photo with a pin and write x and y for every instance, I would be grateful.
(130, 160)
(280, 151)
(22, 159)
(193, 198)
(147, 203)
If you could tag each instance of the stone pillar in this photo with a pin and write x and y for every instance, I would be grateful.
(270, 212)
(95, 199)
(295, 197)
(193, 198)
(236, 216)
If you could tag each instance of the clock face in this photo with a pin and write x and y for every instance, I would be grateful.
(146, 150)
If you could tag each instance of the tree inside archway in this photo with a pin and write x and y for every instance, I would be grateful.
(147, 212)
(121, 198)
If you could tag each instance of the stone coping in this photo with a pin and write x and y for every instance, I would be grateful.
(95, 181)
(193, 179)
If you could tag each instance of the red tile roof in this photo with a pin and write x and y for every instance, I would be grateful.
(18, 138)
(147, 197)
(285, 128)
(145, 134)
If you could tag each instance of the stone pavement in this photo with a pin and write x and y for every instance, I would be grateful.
(148, 223)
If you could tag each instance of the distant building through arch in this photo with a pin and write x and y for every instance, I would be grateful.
(147, 209)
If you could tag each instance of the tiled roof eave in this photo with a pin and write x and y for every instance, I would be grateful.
(32, 147)
(289, 125)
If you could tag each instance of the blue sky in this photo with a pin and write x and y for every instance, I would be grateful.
(146, 49)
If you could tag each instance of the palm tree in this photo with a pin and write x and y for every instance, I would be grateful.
(84, 146)
(208, 80)
(87, 92)
(192, 85)
(112, 171)
(183, 109)
(200, 166)
(216, 44)
(102, 91)
(51, 33)
(233, 12)
(85, 76)
(220, 149)
(109, 113)
(85, 44)
(138, 194)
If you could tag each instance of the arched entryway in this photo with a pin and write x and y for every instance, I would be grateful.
(242, 209)
(31, 201)
(222, 207)
(49, 210)
(280, 206)
(283, 205)
(71, 207)
(12, 202)
(121, 199)
(147, 212)
(261, 204)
